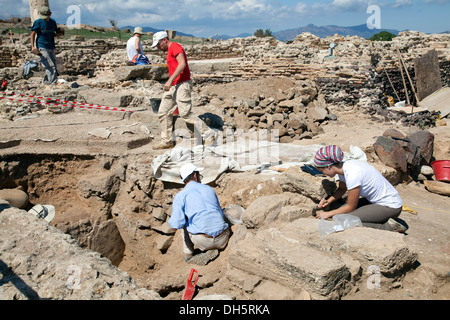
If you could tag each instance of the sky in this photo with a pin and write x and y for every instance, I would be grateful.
(207, 18)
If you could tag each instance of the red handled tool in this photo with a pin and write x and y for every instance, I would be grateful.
(190, 286)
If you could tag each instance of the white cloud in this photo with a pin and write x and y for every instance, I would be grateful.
(351, 5)
(334, 7)
(401, 3)
(228, 16)
(301, 8)
(437, 1)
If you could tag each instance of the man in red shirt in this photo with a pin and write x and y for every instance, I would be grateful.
(177, 93)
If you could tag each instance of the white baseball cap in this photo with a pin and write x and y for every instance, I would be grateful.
(187, 169)
(158, 36)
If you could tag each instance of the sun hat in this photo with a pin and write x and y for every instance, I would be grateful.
(138, 30)
(158, 36)
(46, 212)
(328, 155)
(187, 169)
(44, 12)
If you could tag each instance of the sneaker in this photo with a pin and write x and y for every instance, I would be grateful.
(203, 258)
(163, 145)
(396, 226)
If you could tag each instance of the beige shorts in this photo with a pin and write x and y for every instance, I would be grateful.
(190, 241)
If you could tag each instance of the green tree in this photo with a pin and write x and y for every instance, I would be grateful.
(383, 36)
(259, 33)
(267, 33)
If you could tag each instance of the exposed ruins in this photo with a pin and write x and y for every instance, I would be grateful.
(110, 238)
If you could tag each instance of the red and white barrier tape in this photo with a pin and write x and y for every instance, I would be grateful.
(65, 103)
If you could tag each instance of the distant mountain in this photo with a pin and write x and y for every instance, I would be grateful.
(290, 34)
(331, 30)
(226, 37)
(321, 32)
(150, 29)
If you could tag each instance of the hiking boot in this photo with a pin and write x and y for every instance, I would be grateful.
(163, 145)
(396, 226)
(203, 258)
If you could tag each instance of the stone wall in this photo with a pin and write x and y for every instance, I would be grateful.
(357, 73)
(262, 57)
(9, 56)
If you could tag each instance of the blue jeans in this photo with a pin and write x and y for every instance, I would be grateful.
(48, 60)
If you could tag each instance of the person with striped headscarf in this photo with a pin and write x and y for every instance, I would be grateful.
(370, 196)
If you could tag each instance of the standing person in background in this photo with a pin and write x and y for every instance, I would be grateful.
(379, 205)
(178, 91)
(43, 33)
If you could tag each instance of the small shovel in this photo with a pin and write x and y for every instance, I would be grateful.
(268, 166)
(190, 286)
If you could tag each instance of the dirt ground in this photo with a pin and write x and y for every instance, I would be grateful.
(428, 232)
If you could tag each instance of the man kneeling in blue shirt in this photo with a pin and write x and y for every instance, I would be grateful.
(196, 210)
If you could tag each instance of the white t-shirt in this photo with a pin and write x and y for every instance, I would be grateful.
(131, 48)
(374, 187)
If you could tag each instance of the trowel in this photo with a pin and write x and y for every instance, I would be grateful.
(269, 166)
(190, 286)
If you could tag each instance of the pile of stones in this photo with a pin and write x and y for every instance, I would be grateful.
(295, 113)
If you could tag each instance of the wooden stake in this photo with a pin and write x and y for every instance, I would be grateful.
(403, 78)
(409, 78)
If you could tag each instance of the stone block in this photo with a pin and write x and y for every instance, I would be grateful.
(391, 153)
(384, 249)
(103, 185)
(159, 214)
(424, 140)
(107, 98)
(150, 71)
(295, 180)
(296, 256)
(288, 262)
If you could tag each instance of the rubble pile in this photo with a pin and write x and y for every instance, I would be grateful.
(296, 112)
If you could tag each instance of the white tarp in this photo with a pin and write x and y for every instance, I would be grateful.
(243, 156)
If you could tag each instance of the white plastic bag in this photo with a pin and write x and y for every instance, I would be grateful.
(340, 223)
(326, 227)
(347, 221)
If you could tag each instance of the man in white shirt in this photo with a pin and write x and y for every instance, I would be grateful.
(134, 45)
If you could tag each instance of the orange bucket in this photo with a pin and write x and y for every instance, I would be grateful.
(441, 170)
